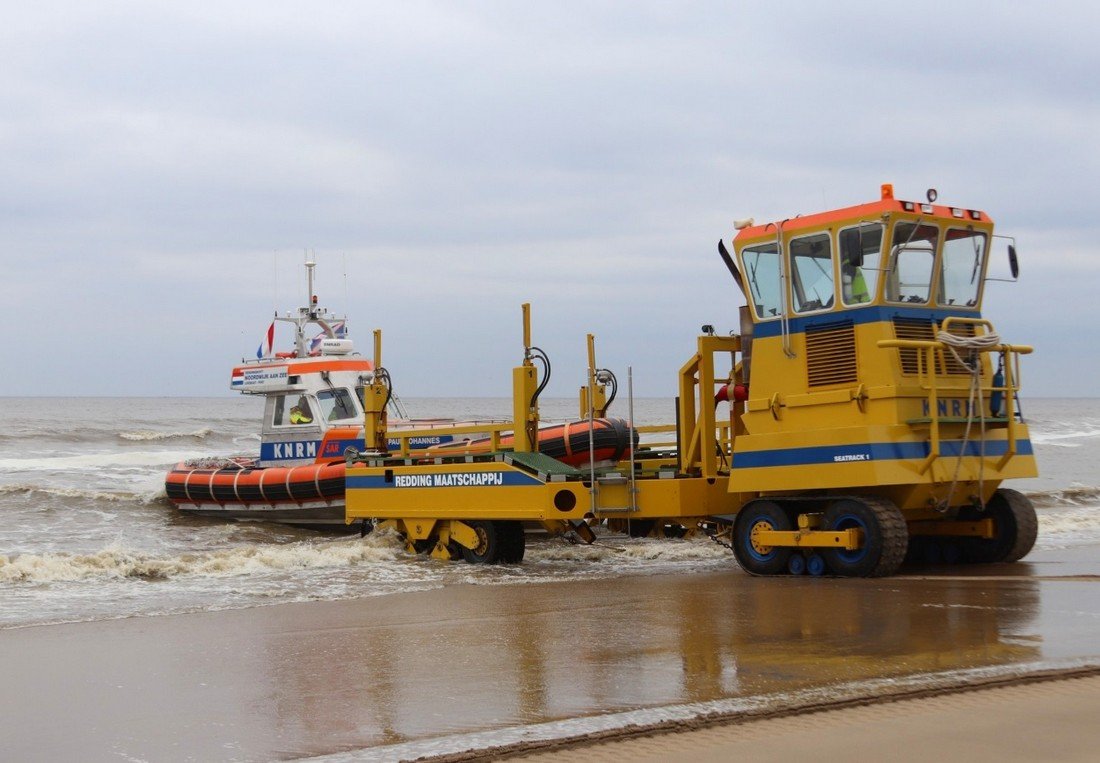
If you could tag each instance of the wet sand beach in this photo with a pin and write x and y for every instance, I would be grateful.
(1046, 719)
(465, 667)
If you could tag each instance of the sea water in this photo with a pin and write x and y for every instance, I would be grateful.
(88, 533)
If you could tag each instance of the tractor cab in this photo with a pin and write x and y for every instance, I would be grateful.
(824, 289)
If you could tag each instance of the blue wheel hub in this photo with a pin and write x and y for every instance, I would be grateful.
(849, 522)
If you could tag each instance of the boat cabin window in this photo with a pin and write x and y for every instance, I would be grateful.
(812, 272)
(912, 255)
(762, 268)
(337, 404)
(292, 410)
(961, 274)
(860, 262)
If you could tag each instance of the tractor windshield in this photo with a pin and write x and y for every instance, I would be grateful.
(912, 256)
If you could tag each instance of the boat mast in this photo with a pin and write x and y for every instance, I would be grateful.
(311, 313)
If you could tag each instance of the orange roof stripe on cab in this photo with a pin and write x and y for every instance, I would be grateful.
(870, 210)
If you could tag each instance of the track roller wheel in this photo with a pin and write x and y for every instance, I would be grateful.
(753, 556)
(885, 537)
(796, 565)
(815, 565)
(498, 541)
(1015, 527)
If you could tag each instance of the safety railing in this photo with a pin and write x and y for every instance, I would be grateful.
(698, 429)
(929, 353)
(490, 429)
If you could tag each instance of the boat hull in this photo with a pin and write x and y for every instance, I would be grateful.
(312, 495)
(328, 517)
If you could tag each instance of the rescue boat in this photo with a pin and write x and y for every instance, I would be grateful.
(314, 420)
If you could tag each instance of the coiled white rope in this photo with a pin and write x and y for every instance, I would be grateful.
(973, 345)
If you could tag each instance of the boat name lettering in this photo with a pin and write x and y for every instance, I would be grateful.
(852, 457)
(455, 479)
(417, 442)
(295, 450)
(263, 376)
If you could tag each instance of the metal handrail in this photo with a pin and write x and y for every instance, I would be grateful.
(927, 378)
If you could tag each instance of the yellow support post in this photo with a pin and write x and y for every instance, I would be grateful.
(525, 410)
(375, 396)
(593, 396)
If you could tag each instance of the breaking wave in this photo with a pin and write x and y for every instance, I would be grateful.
(95, 461)
(627, 551)
(147, 435)
(115, 562)
(112, 496)
(1064, 439)
(1068, 497)
(1069, 526)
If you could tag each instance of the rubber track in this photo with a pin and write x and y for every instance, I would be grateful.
(1027, 524)
(895, 535)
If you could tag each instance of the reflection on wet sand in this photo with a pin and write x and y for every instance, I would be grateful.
(482, 658)
(293, 680)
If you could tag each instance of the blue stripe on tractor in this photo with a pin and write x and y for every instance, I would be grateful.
(858, 316)
(441, 479)
(875, 451)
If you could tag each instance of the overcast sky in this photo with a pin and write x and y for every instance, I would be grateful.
(165, 166)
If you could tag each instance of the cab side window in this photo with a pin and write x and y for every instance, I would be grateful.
(762, 271)
(280, 411)
(337, 404)
(860, 256)
(812, 283)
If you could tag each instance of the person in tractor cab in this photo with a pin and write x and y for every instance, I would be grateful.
(852, 282)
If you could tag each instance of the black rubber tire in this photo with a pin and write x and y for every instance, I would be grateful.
(513, 541)
(885, 537)
(766, 515)
(640, 528)
(1014, 524)
(490, 546)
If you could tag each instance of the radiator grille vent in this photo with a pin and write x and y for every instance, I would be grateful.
(831, 354)
(922, 329)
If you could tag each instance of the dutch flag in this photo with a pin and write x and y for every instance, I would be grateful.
(268, 341)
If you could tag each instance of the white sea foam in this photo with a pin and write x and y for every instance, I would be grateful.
(98, 460)
(1069, 526)
(143, 435)
(116, 561)
(628, 551)
(113, 496)
(1063, 439)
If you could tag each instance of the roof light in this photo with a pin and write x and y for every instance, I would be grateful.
(956, 212)
(975, 214)
(743, 223)
(932, 195)
(887, 191)
(907, 206)
(926, 208)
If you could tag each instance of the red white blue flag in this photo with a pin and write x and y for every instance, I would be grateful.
(267, 343)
